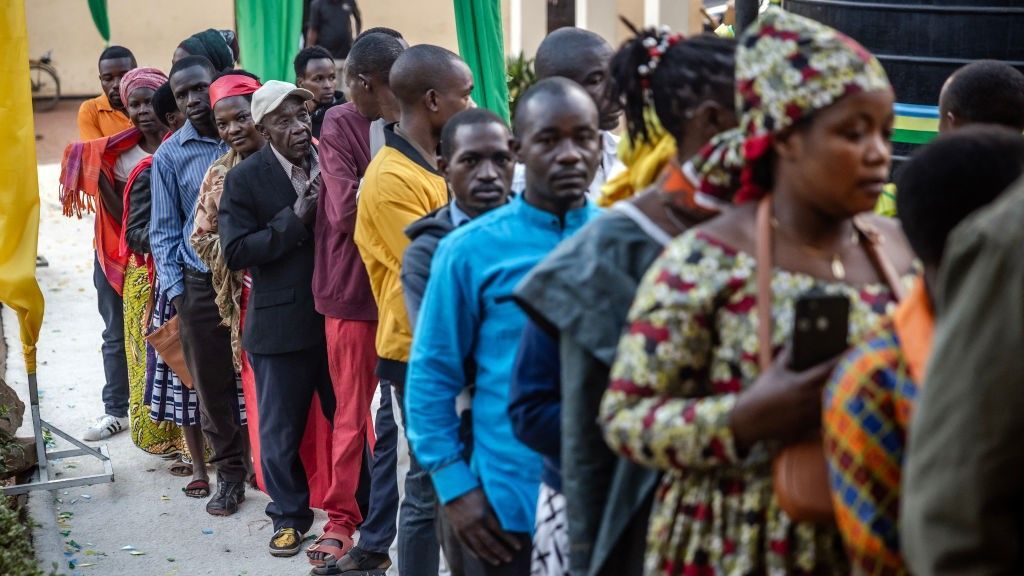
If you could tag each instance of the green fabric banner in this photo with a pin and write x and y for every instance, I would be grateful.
(268, 37)
(98, 9)
(482, 46)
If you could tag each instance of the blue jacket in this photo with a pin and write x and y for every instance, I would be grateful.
(535, 400)
(469, 318)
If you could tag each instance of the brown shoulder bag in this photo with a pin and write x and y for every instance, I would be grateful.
(800, 473)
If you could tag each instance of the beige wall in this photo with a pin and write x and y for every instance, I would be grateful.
(152, 31)
(147, 27)
(422, 21)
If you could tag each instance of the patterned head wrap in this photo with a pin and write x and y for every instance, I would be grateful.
(232, 85)
(140, 78)
(787, 68)
(214, 45)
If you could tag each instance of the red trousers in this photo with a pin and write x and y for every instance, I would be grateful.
(352, 358)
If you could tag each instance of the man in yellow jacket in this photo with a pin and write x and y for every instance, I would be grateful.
(402, 184)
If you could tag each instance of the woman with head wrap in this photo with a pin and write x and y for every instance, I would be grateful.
(217, 46)
(693, 392)
(232, 91)
(94, 177)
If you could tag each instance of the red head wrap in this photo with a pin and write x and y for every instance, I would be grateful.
(232, 85)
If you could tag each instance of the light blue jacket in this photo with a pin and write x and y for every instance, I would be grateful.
(468, 331)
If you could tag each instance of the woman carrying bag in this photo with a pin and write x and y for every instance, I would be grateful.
(692, 393)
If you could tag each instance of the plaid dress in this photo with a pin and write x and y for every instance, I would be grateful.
(691, 348)
(866, 417)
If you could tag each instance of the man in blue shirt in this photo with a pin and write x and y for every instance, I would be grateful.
(179, 166)
(469, 328)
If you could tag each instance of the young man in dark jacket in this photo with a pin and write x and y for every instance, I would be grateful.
(477, 163)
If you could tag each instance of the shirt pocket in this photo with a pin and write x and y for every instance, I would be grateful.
(271, 298)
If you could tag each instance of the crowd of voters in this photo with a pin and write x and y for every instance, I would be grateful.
(589, 341)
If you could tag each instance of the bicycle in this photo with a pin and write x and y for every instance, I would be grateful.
(45, 83)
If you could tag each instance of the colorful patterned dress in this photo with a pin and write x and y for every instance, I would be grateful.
(153, 437)
(690, 349)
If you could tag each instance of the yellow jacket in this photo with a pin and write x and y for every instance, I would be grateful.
(399, 188)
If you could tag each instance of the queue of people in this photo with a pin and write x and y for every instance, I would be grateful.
(584, 391)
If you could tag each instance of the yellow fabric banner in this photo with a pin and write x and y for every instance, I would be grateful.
(19, 185)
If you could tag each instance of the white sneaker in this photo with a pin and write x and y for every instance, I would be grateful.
(106, 427)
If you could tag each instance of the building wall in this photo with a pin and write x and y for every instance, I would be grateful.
(147, 27)
(152, 31)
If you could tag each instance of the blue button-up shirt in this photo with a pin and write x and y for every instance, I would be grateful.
(468, 314)
(179, 166)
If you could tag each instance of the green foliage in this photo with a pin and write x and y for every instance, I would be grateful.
(520, 77)
(16, 557)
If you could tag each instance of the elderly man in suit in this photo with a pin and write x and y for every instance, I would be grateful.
(266, 215)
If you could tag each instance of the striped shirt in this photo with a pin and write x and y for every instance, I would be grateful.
(179, 166)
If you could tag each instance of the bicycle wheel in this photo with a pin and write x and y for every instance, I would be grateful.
(45, 87)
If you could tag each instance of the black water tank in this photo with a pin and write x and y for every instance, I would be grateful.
(921, 42)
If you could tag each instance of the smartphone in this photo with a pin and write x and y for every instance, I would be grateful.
(820, 328)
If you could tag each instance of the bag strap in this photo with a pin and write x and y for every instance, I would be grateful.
(872, 240)
(763, 253)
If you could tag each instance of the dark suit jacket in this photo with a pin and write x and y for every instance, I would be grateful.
(260, 232)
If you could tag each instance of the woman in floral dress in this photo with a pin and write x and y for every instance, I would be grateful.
(687, 394)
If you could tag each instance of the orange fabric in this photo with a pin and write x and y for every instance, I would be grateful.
(97, 119)
(675, 183)
(914, 322)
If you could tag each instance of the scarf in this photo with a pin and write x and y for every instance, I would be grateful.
(140, 78)
(206, 242)
(787, 68)
(211, 44)
(81, 168)
(644, 161)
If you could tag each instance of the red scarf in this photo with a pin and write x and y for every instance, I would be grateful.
(81, 168)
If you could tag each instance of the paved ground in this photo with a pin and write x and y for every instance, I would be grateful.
(144, 508)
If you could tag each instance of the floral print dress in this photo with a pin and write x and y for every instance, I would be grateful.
(690, 349)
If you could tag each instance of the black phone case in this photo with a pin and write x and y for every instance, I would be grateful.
(820, 328)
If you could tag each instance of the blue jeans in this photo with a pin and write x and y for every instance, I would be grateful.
(115, 362)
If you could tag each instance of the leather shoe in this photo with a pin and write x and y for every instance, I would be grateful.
(225, 502)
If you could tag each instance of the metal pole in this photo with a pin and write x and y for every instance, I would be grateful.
(746, 13)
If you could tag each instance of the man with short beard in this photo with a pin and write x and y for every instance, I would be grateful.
(106, 115)
(179, 166)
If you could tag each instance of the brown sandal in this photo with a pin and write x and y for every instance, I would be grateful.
(180, 468)
(330, 551)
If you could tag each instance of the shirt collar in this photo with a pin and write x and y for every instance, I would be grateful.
(573, 219)
(914, 322)
(314, 163)
(103, 104)
(430, 159)
(188, 132)
(457, 215)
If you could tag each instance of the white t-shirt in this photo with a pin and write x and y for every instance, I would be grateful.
(127, 162)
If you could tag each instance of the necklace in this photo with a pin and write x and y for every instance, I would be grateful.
(836, 260)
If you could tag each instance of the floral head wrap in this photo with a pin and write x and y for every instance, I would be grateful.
(787, 68)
